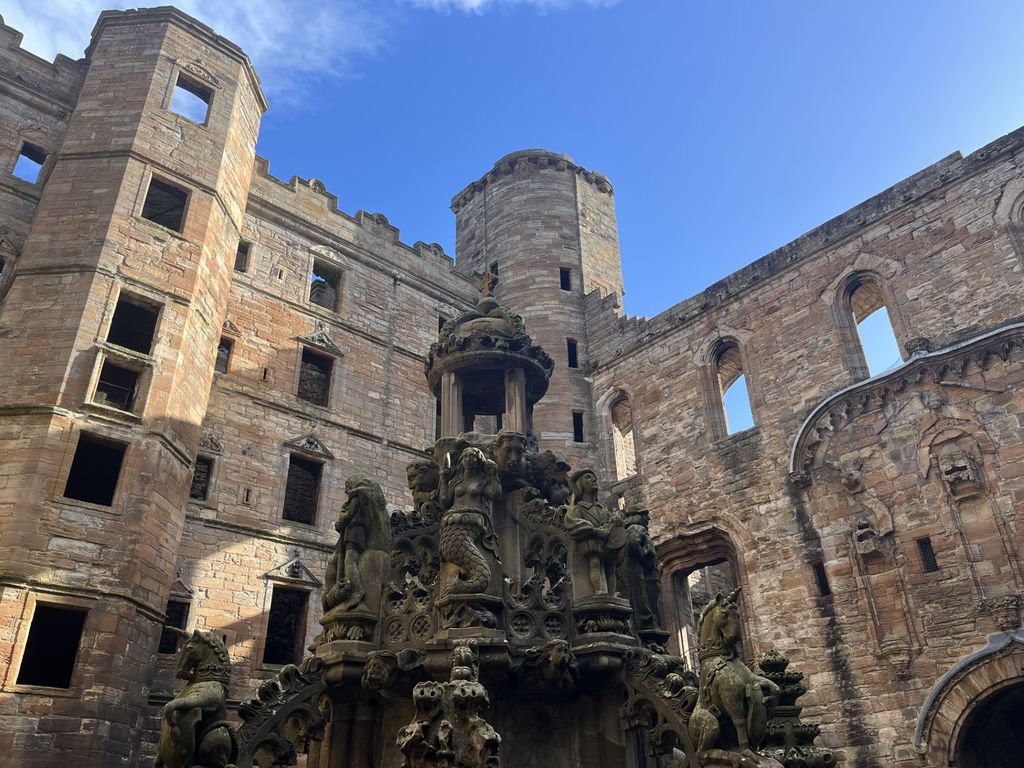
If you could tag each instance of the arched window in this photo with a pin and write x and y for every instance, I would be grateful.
(868, 326)
(622, 437)
(733, 389)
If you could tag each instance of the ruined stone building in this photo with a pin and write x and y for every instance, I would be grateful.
(195, 355)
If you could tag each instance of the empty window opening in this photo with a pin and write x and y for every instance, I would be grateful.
(133, 325)
(302, 490)
(191, 100)
(733, 391)
(493, 269)
(325, 285)
(878, 345)
(314, 377)
(223, 356)
(176, 617)
(247, 496)
(94, 470)
(577, 426)
(286, 626)
(821, 579)
(692, 590)
(201, 473)
(565, 278)
(266, 374)
(30, 163)
(116, 386)
(242, 256)
(928, 560)
(52, 646)
(165, 204)
(572, 353)
(622, 438)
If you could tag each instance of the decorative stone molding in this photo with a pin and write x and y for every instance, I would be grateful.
(322, 340)
(293, 570)
(210, 444)
(311, 445)
(231, 329)
(197, 70)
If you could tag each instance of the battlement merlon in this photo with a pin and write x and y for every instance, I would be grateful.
(166, 14)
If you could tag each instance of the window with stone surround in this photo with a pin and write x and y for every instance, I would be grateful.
(572, 353)
(565, 278)
(302, 490)
(732, 412)
(176, 616)
(201, 474)
(191, 100)
(242, 256)
(286, 626)
(325, 285)
(133, 324)
(95, 469)
(29, 163)
(622, 437)
(867, 326)
(223, 355)
(117, 385)
(52, 647)
(165, 204)
(577, 426)
(314, 377)
(929, 563)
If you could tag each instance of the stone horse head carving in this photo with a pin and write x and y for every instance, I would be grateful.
(194, 731)
(730, 719)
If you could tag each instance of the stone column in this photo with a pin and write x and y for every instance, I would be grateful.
(451, 405)
(515, 401)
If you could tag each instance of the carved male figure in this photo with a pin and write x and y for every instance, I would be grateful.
(362, 525)
(641, 570)
(598, 533)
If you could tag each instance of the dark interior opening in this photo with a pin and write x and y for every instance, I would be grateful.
(177, 615)
(133, 325)
(223, 356)
(992, 736)
(242, 256)
(94, 470)
(52, 646)
(325, 286)
(314, 377)
(577, 426)
(116, 386)
(572, 353)
(565, 278)
(285, 626)
(929, 562)
(821, 578)
(200, 488)
(301, 490)
(165, 204)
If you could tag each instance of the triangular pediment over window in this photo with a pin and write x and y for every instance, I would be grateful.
(310, 444)
(322, 340)
(293, 570)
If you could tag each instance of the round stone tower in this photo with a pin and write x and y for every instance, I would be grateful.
(547, 228)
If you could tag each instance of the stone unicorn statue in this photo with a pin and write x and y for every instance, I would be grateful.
(194, 731)
(730, 718)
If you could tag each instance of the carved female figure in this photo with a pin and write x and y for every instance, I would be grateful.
(466, 526)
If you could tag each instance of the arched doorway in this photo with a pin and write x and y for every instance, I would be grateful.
(993, 737)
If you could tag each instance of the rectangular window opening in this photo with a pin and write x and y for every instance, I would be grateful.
(302, 490)
(165, 205)
(201, 473)
(94, 470)
(191, 100)
(223, 355)
(315, 378)
(577, 426)
(572, 353)
(929, 562)
(493, 269)
(30, 163)
(821, 578)
(242, 256)
(325, 285)
(286, 626)
(52, 647)
(133, 324)
(565, 278)
(176, 617)
(117, 386)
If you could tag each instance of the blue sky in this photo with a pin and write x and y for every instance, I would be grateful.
(728, 129)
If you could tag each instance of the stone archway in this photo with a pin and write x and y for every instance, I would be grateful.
(992, 736)
(967, 704)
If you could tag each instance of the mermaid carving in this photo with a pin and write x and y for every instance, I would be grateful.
(194, 730)
(468, 489)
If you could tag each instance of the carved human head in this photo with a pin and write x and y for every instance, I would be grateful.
(509, 451)
(422, 475)
(584, 484)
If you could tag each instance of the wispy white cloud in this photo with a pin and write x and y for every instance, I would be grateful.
(480, 6)
(293, 43)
